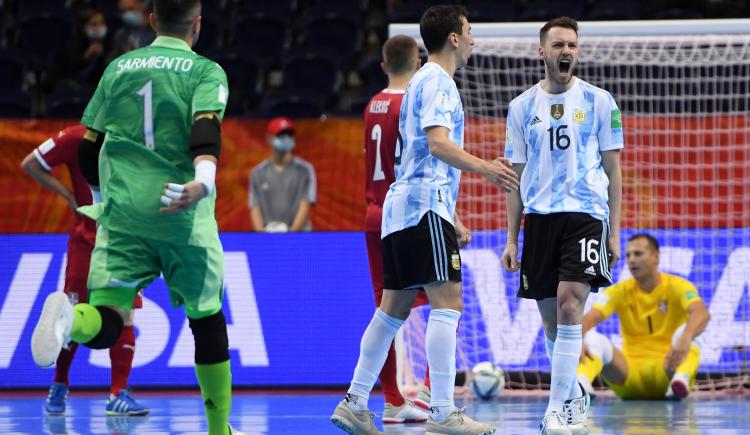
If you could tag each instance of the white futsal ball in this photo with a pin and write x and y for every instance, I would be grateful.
(487, 380)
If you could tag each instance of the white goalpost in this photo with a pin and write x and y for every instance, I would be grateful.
(684, 91)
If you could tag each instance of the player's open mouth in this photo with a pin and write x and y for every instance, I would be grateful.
(564, 66)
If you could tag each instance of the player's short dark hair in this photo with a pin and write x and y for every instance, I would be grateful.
(175, 17)
(566, 22)
(438, 22)
(399, 54)
(649, 238)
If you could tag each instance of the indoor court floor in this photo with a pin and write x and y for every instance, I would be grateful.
(308, 413)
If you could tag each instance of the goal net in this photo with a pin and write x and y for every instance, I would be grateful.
(683, 88)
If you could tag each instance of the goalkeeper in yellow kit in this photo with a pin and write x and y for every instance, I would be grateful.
(660, 317)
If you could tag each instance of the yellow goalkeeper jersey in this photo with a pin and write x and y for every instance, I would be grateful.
(648, 320)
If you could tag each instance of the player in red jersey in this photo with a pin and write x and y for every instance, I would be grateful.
(400, 62)
(58, 150)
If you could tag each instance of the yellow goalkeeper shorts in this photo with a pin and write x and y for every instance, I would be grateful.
(647, 378)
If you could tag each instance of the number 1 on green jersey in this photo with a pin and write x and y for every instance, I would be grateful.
(148, 119)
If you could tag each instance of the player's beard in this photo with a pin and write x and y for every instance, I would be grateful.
(553, 73)
(464, 60)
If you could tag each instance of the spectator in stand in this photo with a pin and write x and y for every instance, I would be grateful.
(136, 32)
(282, 187)
(83, 60)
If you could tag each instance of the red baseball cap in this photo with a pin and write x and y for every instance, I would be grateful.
(279, 125)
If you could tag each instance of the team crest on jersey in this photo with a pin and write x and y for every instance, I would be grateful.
(557, 111)
(456, 261)
(663, 306)
(579, 116)
(443, 102)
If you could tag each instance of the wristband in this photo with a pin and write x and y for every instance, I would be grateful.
(205, 173)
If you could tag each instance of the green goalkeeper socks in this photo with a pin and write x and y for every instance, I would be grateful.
(216, 388)
(87, 322)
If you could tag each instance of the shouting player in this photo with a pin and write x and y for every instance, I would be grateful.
(420, 235)
(62, 149)
(564, 138)
(154, 136)
(400, 62)
(660, 317)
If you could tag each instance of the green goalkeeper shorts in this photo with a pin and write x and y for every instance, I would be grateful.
(121, 264)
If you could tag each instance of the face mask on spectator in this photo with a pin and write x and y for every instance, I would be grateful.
(283, 144)
(96, 33)
(132, 18)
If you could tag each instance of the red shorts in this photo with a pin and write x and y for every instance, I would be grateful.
(77, 272)
(375, 254)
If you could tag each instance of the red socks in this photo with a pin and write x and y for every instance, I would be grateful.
(121, 356)
(62, 368)
(388, 379)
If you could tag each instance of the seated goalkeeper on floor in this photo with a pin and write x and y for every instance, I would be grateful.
(660, 317)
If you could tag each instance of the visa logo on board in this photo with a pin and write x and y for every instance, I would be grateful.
(154, 328)
(511, 335)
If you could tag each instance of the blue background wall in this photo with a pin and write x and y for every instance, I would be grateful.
(296, 305)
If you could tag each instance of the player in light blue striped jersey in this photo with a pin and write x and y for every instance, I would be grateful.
(564, 138)
(423, 181)
(420, 230)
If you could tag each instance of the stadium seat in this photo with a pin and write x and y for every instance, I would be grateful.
(352, 9)
(294, 105)
(615, 10)
(333, 33)
(678, 14)
(359, 103)
(410, 11)
(68, 102)
(544, 10)
(108, 8)
(44, 35)
(276, 9)
(33, 8)
(12, 69)
(310, 71)
(210, 35)
(15, 104)
(373, 77)
(244, 73)
(674, 9)
(265, 33)
(492, 10)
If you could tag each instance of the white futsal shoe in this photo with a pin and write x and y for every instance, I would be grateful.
(458, 424)
(353, 422)
(555, 423)
(52, 331)
(406, 413)
(577, 412)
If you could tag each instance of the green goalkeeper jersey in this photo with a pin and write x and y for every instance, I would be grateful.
(145, 103)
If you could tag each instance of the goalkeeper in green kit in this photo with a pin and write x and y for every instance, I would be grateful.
(150, 151)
